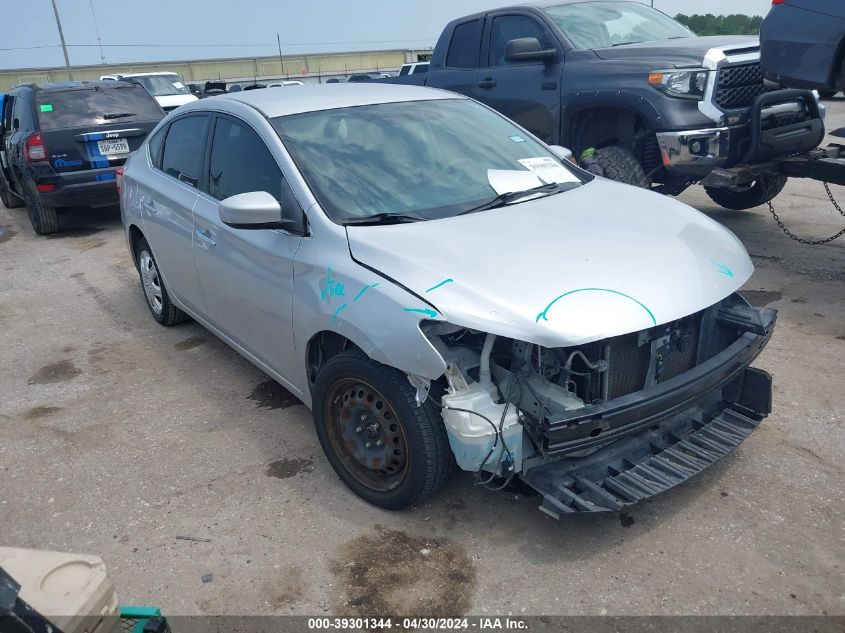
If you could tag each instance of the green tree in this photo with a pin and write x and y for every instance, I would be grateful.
(709, 24)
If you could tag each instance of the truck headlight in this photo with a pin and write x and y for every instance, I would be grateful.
(685, 84)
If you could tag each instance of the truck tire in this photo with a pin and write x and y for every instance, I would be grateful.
(390, 451)
(10, 200)
(759, 192)
(44, 218)
(620, 164)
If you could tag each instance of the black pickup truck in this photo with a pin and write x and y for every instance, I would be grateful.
(664, 108)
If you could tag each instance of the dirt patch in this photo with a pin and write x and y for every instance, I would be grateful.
(6, 233)
(761, 298)
(190, 343)
(82, 231)
(626, 520)
(286, 590)
(62, 371)
(271, 395)
(391, 572)
(286, 468)
(799, 300)
(36, 413)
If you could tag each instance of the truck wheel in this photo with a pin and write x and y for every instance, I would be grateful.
(44, 218)
(158, 301)
(758, 192)
(387, 449)
(620, 164)
(10, 200)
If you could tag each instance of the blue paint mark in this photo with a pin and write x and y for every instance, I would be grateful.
(107, 176)
(426, 311)
(363, 290)
(543, 316)
(332, 287)
(442, 283)
(338, 311)
(60, 163)
(727, 272)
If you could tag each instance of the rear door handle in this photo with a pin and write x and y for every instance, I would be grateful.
(489, 82)
(149, 205)
(206, 238)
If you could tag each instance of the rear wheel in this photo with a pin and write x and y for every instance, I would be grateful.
(10, 200)
(620, 164)
(155, 292)
(761, 191)
(44, 218)
(387, 449)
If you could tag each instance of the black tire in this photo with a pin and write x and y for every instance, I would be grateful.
(152, 285)
(620, 164)
(10, 200)
(761, 191)
(44, 218)
(344, 385)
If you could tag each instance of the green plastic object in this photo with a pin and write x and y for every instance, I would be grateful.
(588, 153)
(140, 615)
(47, 108)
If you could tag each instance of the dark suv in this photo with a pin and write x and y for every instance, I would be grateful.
(60, 144)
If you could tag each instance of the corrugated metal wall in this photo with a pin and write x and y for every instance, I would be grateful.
(310, 68)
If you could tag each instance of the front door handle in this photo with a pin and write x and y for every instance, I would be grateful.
(488, 83)
(205, 238)
(149, 205)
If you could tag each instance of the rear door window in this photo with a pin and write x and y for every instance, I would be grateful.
(96, 105)
(465, 45)
(155, 145)
(184, 148)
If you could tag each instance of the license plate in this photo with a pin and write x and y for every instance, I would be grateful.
(113, 146)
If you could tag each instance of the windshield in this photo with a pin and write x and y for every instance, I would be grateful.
(427, 159)
(162, 85)
(59, 109)
(603, 24)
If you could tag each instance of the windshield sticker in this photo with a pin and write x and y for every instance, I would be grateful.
(47, 108)
(517, 139)
(548, 169)
(511, 180)
(441, 284)
(179, 84)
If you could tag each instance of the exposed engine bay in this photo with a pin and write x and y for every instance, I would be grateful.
(511, 406)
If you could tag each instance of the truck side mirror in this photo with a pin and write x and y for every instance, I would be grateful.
(527, 49)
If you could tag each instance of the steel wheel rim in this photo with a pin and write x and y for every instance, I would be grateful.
(151, 282)
(355, 414)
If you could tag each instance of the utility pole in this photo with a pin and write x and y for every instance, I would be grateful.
(62, 38)
(97, 31)
(281, 61)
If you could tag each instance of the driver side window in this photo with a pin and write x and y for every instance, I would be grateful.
(511, 27)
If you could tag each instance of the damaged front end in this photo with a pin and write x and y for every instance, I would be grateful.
(609, 423)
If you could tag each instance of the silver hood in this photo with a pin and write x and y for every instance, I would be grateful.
(602, 260)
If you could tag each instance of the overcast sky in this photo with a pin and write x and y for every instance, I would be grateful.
(197, 29)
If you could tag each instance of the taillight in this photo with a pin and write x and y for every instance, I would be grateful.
(45, 188)
(778, 1)
(118, 176)
(34, 150)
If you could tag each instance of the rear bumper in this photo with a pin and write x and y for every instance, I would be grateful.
(655, 439)
(97, 187)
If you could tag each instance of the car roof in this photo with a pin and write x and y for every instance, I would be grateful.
(140, 74)
(72, 85)
(312, 98)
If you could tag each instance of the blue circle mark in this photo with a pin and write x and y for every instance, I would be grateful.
(543, 316)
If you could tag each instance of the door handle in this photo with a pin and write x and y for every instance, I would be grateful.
(149, 205)
(487, 83)
(206, 238)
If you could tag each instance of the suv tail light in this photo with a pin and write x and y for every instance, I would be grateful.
(778, 1)
(34, 150)
(118, 176)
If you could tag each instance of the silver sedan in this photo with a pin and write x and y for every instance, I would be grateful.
(442, 289)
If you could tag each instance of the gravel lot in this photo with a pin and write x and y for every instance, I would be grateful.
(119, 435)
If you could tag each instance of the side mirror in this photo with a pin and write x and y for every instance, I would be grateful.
(527, 49)
(562, 153)
(253, 210)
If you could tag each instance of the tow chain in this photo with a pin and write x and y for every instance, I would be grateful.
(801, 239)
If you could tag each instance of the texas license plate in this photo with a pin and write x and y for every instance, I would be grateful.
(113, 146)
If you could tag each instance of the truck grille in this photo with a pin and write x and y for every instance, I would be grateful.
(738, 86)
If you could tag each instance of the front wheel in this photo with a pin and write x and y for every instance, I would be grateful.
(619, 163)
(387, 449)
(761, 191)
